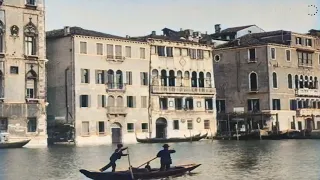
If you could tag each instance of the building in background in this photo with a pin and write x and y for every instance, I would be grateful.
(22, 70)
(271, 77)
(182, 84)
(100, 83)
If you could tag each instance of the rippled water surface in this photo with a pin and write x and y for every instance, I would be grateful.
(221, 160)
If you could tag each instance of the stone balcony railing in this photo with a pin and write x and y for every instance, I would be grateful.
(116, 110)
(113, 87)
(308, 112)
(308, 92)
(183, 90)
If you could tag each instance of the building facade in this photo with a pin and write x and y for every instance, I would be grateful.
(22, 70)
(272, 78)
(103, 84)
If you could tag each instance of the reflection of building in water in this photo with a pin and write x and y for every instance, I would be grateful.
(22, 70)
(274, 79)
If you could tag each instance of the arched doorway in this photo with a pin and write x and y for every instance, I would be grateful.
(116, 133)
(161, 128)
(309, 124)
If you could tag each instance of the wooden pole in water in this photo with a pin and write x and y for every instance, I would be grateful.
(259, 131)
(229, 128)
(130, 167)
(237, 131)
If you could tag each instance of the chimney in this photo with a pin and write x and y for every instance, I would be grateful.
(181, 29)
(153, 33)
(127, 36)
(66, 30)
(217, 28)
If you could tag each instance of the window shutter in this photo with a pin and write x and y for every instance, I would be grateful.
(99, 101)
(103, 100)
(134, 101)
(124, 79)
(105, 74)
(141, 78)
(80, 100)
(89, 100)
(82, 76)
(97, 127)
(97, 78)
(127, 77)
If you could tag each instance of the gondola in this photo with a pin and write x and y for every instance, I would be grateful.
(15, 144)
(140, 173)
(197, 137)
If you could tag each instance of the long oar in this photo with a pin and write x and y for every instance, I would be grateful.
(148, 161)
(130, 167)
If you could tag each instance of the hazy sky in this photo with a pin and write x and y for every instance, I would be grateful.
(140, 17)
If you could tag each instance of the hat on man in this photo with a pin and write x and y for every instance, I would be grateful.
(119, 145)
(165, 146)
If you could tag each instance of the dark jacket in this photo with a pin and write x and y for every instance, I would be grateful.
(165, 156)
(117, 155)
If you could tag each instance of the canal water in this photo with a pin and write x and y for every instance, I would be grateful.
(221, 160)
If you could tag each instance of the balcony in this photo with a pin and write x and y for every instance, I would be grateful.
(308, 92)
(114, 87)
(116, 110)
(182, 90)
(308, 112)
(116, 58)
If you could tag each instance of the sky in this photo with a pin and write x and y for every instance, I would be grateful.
(141, 17)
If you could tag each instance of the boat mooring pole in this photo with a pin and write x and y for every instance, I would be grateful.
(259, 131)
(130, 167)
(237, 131)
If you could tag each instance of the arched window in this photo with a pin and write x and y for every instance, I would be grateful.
(296, 81)
(311, 83)
(253, 78)
(315, 83)
(194, 79)
(30, 39)
(110, 79)
(306, 83)
(201, 79)
(301, 81)
(111, 101)
(31, 84)
(186, 79)
(289, 81)
(274, 80)
(208, 79)
(155, 80)
(172, 78)
(119, 101)
(179, 78)
(164, 78)
(119, 80)
(2, 30)
(1, 85)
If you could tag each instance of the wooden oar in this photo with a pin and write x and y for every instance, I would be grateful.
(130, 167)
(148, 161)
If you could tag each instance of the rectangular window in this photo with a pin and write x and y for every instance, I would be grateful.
(199, 54)
(128, 51)
(99, 77)
(30, 88)
(31, 2)
(254, 105)
(144, 78)
(161, 50)
(84, 100)
(142, 53)
(221, 106)
(175, 124)
(298, 40)
(252, 55)
(85, 128)
(144, 102)
(288, 55)
(192, 53)
(209, 104)
(99, 49)
(144, 127)
(85, 75)
(169, 51)
(30, 45)
(131, 101)
(206, 124)
(110, 54)
(178, 103)
(163, 103)
(308, 42)
(118, 51)
(83, 47)
(304, 58)
(276, 104)
(293, 104)
(3, 125)
(32, 124)
(14, 70)
(190, 124)
(273, 53)
(130, 127)
(101, 129)
(101, 101)
(189, 103)
(129, 77)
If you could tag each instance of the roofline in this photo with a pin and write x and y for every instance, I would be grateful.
(305, 35)
(187, 42)
(253, 46)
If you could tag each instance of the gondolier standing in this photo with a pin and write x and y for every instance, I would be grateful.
(165, 157)
(114, 157)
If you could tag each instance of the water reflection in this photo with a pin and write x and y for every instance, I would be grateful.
(220, 160)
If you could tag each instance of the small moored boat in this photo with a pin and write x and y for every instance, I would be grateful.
(197, 137)
(14, 144)
(140, 173)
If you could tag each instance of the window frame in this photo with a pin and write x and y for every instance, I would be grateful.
(80, 43)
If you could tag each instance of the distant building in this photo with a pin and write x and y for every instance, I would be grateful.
(118, 88)
(22, 70)
(272, 77)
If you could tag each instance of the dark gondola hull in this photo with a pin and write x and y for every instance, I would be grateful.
(172, 140)
(18, 144)
(140, 173)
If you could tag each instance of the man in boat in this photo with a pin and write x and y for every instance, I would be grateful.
(114, 157)
(165, 157)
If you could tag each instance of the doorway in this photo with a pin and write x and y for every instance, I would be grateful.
(161, 128)
(3, 125)
(309, 124)
(116, 133)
